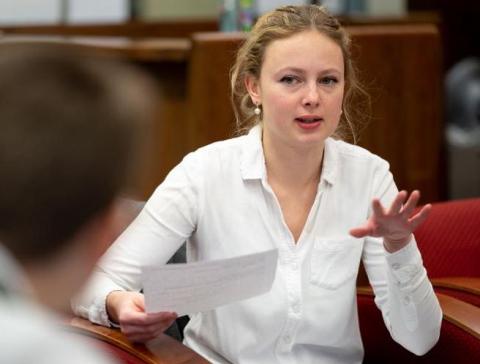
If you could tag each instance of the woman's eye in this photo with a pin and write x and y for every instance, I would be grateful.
(328, 81)
(289, 80)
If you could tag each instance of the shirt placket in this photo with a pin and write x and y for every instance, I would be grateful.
(291, 266)
(290, 260)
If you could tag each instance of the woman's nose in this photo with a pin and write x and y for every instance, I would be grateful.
(311, 97)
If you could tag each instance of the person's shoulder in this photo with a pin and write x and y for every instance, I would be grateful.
(353, 153)
(35, 336)
(224, 151)
(231, 145)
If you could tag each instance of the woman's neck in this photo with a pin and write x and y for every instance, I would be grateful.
(292, 167)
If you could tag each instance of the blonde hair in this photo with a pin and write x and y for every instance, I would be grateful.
(283, 23)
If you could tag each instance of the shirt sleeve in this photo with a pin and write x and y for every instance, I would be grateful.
(403, 292)
(167, 220)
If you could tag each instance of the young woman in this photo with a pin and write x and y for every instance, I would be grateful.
(290, 184)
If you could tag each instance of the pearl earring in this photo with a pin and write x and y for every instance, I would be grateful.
(257, 110)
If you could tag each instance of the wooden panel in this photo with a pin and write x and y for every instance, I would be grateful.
(211, 115)
(173, 28)
(400, 64)
(465, 284)
(143, 50)
(169, 133)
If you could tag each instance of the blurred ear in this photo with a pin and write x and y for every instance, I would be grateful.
(252, 85)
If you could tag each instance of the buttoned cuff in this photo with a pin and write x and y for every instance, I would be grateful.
(98, 312)
(93, 304)
(406, 263)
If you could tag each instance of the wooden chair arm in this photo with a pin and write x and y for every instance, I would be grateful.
(459, 313)
(162, 350)
(466, 284)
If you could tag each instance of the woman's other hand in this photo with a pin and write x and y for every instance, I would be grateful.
(394, 224)
(128, 310)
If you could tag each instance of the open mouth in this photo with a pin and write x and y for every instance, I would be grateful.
(308, 120)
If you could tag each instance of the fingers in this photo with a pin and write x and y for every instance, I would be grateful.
(397, 203)
(144, 334)
(358, 232)
(393, 224)
(411, 203)
(377, 208)
(420, 217)
(142, 327)
(145, 319)
(135, 323)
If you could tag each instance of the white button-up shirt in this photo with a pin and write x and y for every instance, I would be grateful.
(218, 200)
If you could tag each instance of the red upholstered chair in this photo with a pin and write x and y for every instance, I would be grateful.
(459, 337)
(450, 245)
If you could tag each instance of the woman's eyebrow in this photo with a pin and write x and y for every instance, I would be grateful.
(302, 71)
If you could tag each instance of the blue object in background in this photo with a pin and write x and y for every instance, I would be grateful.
(228, 16)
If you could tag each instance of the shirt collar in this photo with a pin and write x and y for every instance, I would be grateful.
(330, 161)
(253, 159)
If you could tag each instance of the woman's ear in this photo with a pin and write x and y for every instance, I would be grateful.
(252, 85)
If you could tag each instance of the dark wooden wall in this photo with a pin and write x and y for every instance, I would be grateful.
(401, 65)
(401, 68)
(133, 29)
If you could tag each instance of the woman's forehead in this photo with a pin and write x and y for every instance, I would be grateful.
(304, 50)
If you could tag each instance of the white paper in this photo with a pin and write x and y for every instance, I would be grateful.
(202, 286)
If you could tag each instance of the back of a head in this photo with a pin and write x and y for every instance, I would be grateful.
(71, 126)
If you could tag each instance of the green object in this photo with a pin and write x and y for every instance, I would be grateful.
(247, 14)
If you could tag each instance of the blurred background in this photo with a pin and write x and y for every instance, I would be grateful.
(420, 61)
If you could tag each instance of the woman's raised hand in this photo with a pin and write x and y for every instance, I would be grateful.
(394, 224)
(128, 310)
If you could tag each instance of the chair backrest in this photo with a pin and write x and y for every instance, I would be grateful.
(449, 239)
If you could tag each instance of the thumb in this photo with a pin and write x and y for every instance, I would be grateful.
(139, 302)
(358, 232)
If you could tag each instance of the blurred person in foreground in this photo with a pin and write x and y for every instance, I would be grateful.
(72, 126)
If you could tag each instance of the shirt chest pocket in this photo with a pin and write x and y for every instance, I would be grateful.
(335, 261)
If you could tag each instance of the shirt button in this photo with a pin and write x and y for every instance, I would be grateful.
(406, 300)
(294, 266)
(296, 308)
(287, 339)
(395, 266)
